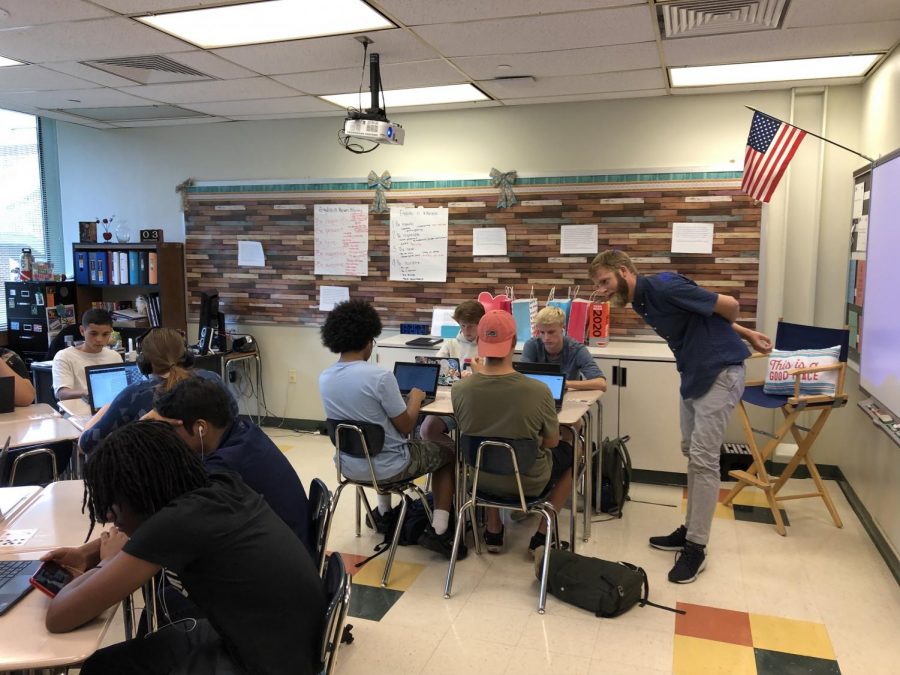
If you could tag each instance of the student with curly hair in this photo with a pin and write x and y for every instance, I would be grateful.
(354, 389)
(253, 579)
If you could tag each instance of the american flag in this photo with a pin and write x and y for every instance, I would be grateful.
(770, 147)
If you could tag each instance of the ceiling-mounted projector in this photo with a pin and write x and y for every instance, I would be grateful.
(372, 123)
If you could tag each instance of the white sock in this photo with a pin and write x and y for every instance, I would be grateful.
(384, 504)
(440, 520)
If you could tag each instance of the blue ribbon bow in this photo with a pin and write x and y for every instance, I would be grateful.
(504, 181)
(380, 184)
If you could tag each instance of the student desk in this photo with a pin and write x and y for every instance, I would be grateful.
(13, 500)
(36, 426)
(24, 641)
(578, 406)
(76, 407)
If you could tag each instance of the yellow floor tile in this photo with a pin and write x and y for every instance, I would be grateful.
(721, 511)
(806, 638)
(696, 656)
(751, 497)
(402, 574)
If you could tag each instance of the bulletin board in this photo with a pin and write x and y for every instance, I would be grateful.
(633, 212)
(856, 269)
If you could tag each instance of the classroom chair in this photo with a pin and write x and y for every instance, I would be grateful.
(337, 594)
(319, 510)
(792, 337)
(364, 439)
(507, 457)
(29, 467)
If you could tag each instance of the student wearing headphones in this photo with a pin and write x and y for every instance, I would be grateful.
(255, 583)
(165, 360)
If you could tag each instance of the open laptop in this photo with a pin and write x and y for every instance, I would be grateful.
(106, 381)
(14, 584)
(450, 371)
(556, 383)
(529, 367)
(422, 376)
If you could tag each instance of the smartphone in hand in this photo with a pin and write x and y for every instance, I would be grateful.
(51, 577)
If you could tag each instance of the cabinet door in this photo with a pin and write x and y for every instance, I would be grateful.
(649, 413)
(386, 357)
(610, 399)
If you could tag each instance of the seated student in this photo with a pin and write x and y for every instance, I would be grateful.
(498, 402)
(253, 579)
(205, 416)
(164, 357)
(68, 365)
(353, 389)
(12, 365)
(553, 346)
(463, 347)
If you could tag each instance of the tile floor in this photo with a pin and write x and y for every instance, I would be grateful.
(820, 600)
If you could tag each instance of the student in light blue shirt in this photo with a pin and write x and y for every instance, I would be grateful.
(354, 389)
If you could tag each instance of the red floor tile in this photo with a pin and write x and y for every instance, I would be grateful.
(711, 623)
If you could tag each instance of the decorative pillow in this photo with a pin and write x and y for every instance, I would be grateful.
(779, 383)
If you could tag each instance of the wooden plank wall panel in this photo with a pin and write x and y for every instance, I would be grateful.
(285, 292)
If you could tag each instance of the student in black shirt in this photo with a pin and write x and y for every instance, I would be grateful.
(251, 576)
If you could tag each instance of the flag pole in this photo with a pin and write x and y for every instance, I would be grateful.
(827, 140)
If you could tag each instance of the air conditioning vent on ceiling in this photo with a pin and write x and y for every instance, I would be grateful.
(695, 18)
(153, 69)
(135, 113)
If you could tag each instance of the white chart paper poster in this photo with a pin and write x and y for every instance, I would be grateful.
(342, 239)
(419, 244)
(578, 239)
(329, 296)
(692, 237)
(250, 254)
(489, 241)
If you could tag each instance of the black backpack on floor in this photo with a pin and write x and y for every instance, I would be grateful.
(615, 479)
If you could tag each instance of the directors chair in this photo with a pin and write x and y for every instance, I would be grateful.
(803, 391)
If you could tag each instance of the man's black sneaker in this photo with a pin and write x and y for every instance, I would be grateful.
(441, 543)
(540, 539)
(688, 564)
(671, 542)
(494, 541)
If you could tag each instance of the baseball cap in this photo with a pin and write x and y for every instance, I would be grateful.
(496, 330)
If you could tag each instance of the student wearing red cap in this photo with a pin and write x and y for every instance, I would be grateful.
(498, 402)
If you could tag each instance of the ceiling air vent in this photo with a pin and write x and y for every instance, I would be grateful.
(695, 18)
(136, 113)
(151, 69)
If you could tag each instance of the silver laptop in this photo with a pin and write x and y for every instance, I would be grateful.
(106, 381)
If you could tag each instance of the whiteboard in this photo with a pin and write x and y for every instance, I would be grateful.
(341, 239)
(419, 244)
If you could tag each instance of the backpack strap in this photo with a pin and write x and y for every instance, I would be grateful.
(646, 591)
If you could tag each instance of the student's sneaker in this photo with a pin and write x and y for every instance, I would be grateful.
(494, 541)
(539, 539)
(671, 542)
(688, 564)
(384, 522)
(441, 543)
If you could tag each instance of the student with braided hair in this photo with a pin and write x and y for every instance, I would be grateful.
(249, 574)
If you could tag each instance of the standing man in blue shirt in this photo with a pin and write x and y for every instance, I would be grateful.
(699, 327)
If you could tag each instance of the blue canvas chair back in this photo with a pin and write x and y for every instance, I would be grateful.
(793, 336)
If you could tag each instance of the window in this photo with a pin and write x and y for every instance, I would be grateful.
(23, 210)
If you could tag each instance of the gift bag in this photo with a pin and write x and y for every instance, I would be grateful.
(491, 302)
(523, 312)
(598, 324)
(576, 328)
(564, 305)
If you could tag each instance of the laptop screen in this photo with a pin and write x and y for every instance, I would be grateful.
(529, 367)
(105, 382)
(449, 369)
(556, 384)
(422, 376)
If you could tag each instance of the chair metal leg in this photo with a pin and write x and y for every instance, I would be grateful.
(473, 516)
(394, 542)
(457, 539)
(542, 596)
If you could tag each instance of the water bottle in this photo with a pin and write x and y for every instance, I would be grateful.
(26, 265)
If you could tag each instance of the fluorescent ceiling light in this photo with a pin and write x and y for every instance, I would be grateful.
(403, 98)
(774, 71)
(9, 62)
(272, 21)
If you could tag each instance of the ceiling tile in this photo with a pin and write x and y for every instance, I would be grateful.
(63, 117)
(840, 12)
(217, 90)
(82, 40)
(576, 84)
(545, 33)
(293, 104)
(150, 6)
(212, 65)
(421, 12)
(328, 53)
(33, 13)
(168, 123)
(393, 76)
(782, 44)
(89, 73)
(564, 62)
(36, 78)
(75, 98)
(644, 93)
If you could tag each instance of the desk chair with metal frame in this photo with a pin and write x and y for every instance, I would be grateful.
(364, 439)
(337, 594)
(38, 466)
(319, 510)
(507, 457)
(792, 337)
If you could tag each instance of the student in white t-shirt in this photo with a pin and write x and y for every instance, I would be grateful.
(69, 364)
(463, 347)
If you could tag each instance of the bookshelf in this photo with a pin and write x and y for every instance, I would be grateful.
(96, 267)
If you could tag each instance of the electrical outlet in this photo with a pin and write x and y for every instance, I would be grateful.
(292, 376)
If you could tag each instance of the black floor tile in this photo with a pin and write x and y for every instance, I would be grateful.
(758, 514)
(780, 663)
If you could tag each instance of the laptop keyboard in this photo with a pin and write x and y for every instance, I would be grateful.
(10, 569)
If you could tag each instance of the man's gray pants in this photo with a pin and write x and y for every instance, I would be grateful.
(703, 422)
